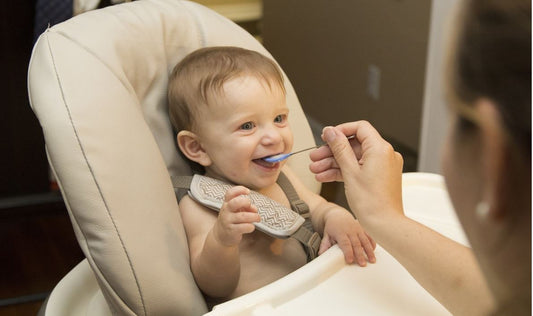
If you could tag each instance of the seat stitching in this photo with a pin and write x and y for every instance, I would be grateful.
(92, 172)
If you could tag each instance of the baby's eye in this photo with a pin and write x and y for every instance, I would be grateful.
(280, 118)
(247, 126)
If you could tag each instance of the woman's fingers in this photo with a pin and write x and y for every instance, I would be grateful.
(330, 175)
(323, 165)
(326, 170)
(320, 153)
(341, 150)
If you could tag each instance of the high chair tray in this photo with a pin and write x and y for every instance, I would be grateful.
(327, 286)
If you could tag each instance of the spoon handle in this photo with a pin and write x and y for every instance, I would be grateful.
(281, 157)
(320, 145)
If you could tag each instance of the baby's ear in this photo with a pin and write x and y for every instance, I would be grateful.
(190, 146)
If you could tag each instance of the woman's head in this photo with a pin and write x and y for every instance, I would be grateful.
(492, 60)
(487, 162)
(490, 76)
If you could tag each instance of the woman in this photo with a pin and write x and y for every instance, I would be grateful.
(487, 167)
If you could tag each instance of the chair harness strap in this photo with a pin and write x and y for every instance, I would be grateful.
(297, 205)
(181, 185)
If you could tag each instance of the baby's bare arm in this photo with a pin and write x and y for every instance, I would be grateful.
(336, 225)
(341, 228)
(214, 241)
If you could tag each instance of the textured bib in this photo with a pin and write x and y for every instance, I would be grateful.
(276, 219)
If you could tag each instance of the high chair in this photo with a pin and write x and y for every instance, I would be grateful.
(97, 84)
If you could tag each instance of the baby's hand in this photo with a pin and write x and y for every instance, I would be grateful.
(236, 217)
(342, 229)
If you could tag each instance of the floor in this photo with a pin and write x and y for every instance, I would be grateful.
(38, 248)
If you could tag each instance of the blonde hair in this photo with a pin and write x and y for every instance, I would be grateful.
(201, 75)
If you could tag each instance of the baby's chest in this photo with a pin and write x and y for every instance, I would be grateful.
(260, 246)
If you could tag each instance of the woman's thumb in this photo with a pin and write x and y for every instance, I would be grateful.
(339, 146)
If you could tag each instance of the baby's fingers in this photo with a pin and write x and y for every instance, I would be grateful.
(347, 249)
(367, 247)
(237, 200)
(245, 216)
(242, 228)
(238, 208)
(359, 252)
(235, 192)
(325, 244)
(239, 203)
(372, 242)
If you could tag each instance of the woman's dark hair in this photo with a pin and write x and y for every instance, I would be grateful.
(493, 60)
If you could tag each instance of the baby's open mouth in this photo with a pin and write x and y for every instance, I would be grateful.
(264, 163)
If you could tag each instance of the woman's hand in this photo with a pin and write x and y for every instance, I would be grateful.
(368, 165)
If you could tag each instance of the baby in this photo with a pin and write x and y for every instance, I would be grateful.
(228, 106)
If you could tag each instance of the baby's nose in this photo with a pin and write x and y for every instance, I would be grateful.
(271, 136)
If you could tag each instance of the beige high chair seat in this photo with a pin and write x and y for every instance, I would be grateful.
(97, 84)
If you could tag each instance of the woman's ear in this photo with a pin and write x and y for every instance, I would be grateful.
(190, 146)
(493, 156)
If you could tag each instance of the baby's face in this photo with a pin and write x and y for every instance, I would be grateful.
(249, 121)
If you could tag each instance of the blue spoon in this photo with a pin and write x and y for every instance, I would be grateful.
(281, 157)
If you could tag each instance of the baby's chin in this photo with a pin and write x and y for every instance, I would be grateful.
(253, 181)
(259, 183)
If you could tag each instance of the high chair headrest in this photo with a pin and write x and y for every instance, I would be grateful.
(97, 84)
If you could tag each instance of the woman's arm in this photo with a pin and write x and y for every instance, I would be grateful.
(371, 171)
(448, 270)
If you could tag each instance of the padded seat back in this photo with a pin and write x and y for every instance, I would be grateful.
(97, 84)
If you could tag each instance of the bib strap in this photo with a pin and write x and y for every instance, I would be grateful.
(276, 220)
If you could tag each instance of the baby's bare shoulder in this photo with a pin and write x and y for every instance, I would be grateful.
(196, 217)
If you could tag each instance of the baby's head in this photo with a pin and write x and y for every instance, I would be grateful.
(198, 79)
(228, 106)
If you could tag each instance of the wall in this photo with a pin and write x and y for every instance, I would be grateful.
(224, 2)
(330, 48)
(435, 116)
(236, 10)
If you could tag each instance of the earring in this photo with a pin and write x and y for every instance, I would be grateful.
(482, 210)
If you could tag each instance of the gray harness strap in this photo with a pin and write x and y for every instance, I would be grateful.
(295, 223)
(306, 235)
(181, 185)
(297, 205)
